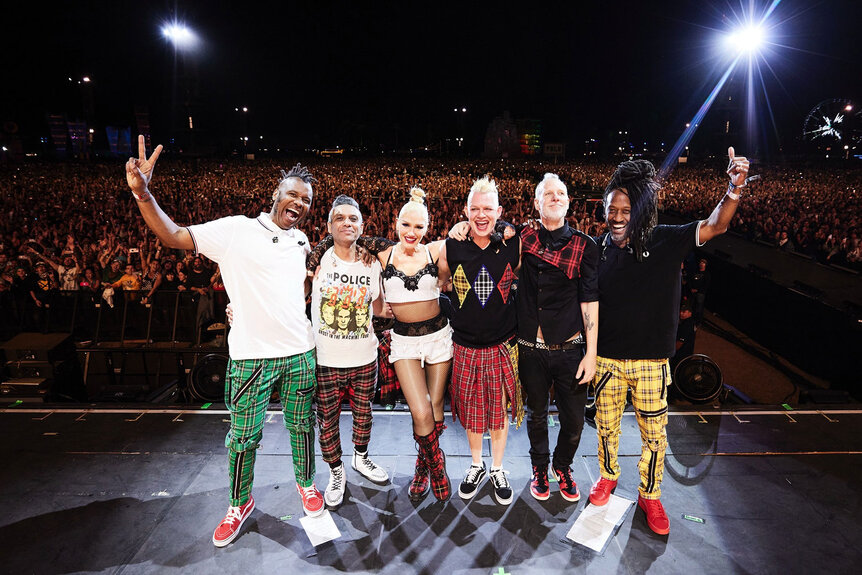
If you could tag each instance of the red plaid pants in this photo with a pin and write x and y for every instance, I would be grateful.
(332, 385)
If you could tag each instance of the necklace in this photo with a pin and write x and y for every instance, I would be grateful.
(335, 259)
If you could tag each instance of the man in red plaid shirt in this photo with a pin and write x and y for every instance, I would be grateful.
(558, 312)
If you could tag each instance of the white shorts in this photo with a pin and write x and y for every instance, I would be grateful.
(434, 347)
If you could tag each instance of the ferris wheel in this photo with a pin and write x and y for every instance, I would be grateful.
(837, 121)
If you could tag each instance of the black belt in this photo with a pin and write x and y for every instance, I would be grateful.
(419, 328)
(571, 344)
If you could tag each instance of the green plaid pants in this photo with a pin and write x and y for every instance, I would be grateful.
(248, 389)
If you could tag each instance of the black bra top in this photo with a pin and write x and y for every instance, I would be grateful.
(411, 283)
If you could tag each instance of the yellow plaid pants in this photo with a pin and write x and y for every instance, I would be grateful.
(648, 380)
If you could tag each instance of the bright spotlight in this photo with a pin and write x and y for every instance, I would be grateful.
(179, 34)
(748, 39)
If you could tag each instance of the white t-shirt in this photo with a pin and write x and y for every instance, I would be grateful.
(68, 277)
(263, 267)
(341, 297)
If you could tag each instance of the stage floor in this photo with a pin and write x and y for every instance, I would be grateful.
(116, 490)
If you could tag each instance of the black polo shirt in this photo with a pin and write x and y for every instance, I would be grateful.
(483, 291)
(549, 298)
(639, 304)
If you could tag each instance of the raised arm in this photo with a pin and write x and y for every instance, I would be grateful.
(44, 258)
(721, 216)
(139, 172)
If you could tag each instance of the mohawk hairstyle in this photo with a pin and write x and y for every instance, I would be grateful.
(299, 171)
(343, 200)
(637, 179)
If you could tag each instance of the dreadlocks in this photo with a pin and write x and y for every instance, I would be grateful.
(637, 180)
(301, 172)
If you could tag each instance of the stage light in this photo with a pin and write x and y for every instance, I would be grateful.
(180, 35)
(86, 79)
(748, 39)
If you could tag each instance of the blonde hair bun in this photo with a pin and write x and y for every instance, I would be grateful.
(417, 195)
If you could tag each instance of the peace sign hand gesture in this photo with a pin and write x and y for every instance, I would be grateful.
(139, 171)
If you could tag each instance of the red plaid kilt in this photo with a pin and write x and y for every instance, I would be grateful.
(484, 381)
(386, 378)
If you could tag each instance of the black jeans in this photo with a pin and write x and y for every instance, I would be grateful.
(538, 370)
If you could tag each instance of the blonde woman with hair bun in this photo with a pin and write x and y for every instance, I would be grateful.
(421, 337)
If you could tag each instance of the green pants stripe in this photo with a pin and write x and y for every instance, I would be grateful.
(248, 388)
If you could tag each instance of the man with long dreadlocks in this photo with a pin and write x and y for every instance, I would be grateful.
(639, 287)
(262, 261)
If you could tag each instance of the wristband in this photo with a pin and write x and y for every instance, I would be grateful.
(143, 198)
(731, 194)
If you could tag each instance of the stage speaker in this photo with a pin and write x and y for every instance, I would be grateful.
(31, 368)
(207, 377)
(39, 347)
(698, 379)
(45, 362)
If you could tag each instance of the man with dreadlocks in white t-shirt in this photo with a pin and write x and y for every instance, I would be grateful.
(262, 261)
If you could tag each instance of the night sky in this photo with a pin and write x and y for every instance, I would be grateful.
(327, 74)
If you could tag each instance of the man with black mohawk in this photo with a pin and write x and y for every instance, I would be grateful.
(639, 287)
(262, 261)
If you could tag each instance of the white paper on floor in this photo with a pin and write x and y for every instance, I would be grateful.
(320, 529)
(595, 525)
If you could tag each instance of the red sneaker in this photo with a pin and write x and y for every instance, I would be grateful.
(656, 518)
(568, 487)
(601, 490)
(229, 527)
(312, 500)
(539, 488)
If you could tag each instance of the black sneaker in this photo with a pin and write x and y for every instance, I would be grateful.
(472, 481)
(539, 484)
(502, 489)
(568, 487)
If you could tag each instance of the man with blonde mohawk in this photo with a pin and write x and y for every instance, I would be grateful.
(485, 369)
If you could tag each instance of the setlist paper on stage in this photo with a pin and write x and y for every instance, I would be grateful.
(320, 529)
(595, 525)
